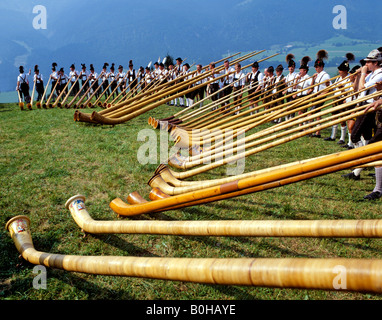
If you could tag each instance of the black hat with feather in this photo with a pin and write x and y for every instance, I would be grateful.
(345, 66)
(105, 65)
(321, 56)
(304, 63)
(289, 60)
(54, 65)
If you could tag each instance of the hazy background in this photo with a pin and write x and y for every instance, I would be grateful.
(116, 31)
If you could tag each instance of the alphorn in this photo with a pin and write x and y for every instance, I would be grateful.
(60, 104)
(316, 273)
(45, 91)
(30, 104)
(78, 103)
(78, 93)
(299, 120)
(139, 108)
(21, 103)
(230, 228)
(57, 103)
(53, 89)
(346, 159)
(175, 161)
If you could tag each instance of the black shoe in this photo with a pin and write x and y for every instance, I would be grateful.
(316, 135)
(373, 196)
(352, 176)
(341, 142)
(329, 139)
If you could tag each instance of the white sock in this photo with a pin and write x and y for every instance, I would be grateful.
(357, 171)
(334, 131)
(343, 133)
(350, 143)
(378, 178)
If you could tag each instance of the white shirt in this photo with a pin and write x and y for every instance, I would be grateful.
(73, 75)
(121, 76)
(302, 84)
(54, 76)
(321, 77)
(238, 79)
(260, 79)
(290, 81)
(84, 75)
(230, 77)
(201, 80)
(371, 80)
(277, 80)
(37, 78)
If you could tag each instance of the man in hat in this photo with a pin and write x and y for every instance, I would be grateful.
(93, 80)
(54, 76)
(199, 94)
(342, 82)
(368, 77)
(121, 76)
(290, 81)
(73, 76)
(213, 87)
(322, 80)
(105, 80)
(131, 76)
(38, 80)
(279, 89)
(303, 81)
(227, 81)
(269, 81)
(63, 80)
(238, 84)
(23, 84)
(84, 74)
(255, 81)
(113, 81)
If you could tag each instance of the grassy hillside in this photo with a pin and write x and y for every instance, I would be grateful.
(46, 158)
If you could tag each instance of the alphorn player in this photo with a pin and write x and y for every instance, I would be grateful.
(377, 109)
(73, 75)
(342, 81)
(131, 76)
(226, 81)
(255, 81)
(93, 80)
(238, 83)
(23, 84)
(113, 81)
(63, 79)
(199, 93)
(290, 80)
(269, 80)
(351, 122)
(121, 81)
(303, 81)
(54, 77)
(365, 124)
(322, 79)
(279, 88)
(178, 72)
(38, 79)
(84, 77)
(105, 79)
(213, 86)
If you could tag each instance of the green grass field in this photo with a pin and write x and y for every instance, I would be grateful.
(46, 158)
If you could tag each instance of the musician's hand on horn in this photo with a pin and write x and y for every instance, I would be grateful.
(374, 105)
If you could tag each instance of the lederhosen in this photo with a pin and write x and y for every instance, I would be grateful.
(62, 84)
(76, 84)
(253, 83)
(105, 85)
(132, 79)
(213, 87)
(113, 83)
(288, 84)
(227, 86)
(39, 87)
(84, 84)
(24, 88)
(280, 86)
(268, 89)
(54, 87)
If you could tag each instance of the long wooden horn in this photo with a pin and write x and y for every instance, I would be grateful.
(46, 89)
(21, 103)
(345, 159)
(30, 104)
(235, 228)
(318, 273)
